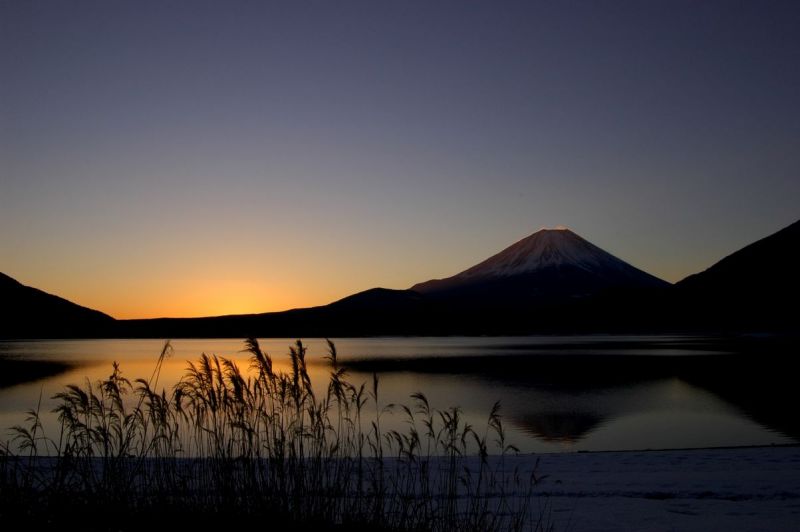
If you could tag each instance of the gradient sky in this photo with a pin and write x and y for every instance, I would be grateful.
(197, 158)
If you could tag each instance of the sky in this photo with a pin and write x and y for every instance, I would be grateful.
(167, 158)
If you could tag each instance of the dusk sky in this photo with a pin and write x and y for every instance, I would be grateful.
(195, 158)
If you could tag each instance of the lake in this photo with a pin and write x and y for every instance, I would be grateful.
(591, 393)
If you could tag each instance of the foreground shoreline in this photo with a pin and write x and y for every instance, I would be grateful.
(752, 488)
(729, 488)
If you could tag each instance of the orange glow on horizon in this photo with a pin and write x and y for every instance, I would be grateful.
(190, 285)
(219, 299)
(200, 299)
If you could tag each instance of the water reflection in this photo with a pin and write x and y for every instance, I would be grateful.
(557, 393)
(710, 399)
(15, 371)
(565, 427)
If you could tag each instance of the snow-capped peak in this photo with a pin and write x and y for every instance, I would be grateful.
(544, 248)
(547, 251)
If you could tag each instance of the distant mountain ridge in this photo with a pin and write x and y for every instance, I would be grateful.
(550, 281)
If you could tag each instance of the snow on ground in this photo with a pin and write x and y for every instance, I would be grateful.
(744, 489)
(736, 489)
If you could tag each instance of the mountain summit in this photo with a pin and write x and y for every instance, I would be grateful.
(550, 263)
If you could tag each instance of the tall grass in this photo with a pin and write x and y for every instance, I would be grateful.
(262, 446)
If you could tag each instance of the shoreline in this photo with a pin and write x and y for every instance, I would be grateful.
(752, 488)
(732, 489)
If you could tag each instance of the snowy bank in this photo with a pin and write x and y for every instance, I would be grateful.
(744, 489)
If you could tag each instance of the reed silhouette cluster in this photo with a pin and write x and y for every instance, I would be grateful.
(261, 447)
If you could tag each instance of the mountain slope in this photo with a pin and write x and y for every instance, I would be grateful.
(548, 265)
(768, 267)
(31, 313)
(756, 286)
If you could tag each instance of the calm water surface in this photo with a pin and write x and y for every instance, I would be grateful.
(557, 393)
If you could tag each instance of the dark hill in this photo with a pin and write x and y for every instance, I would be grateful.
(757, 287)
(27, 312)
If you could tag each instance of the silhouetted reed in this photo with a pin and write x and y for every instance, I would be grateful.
(261, 446)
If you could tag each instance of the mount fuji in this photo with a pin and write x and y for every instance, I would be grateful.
(549, 265)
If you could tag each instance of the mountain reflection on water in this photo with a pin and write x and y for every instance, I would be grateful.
(557, 393)
(569, 392)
